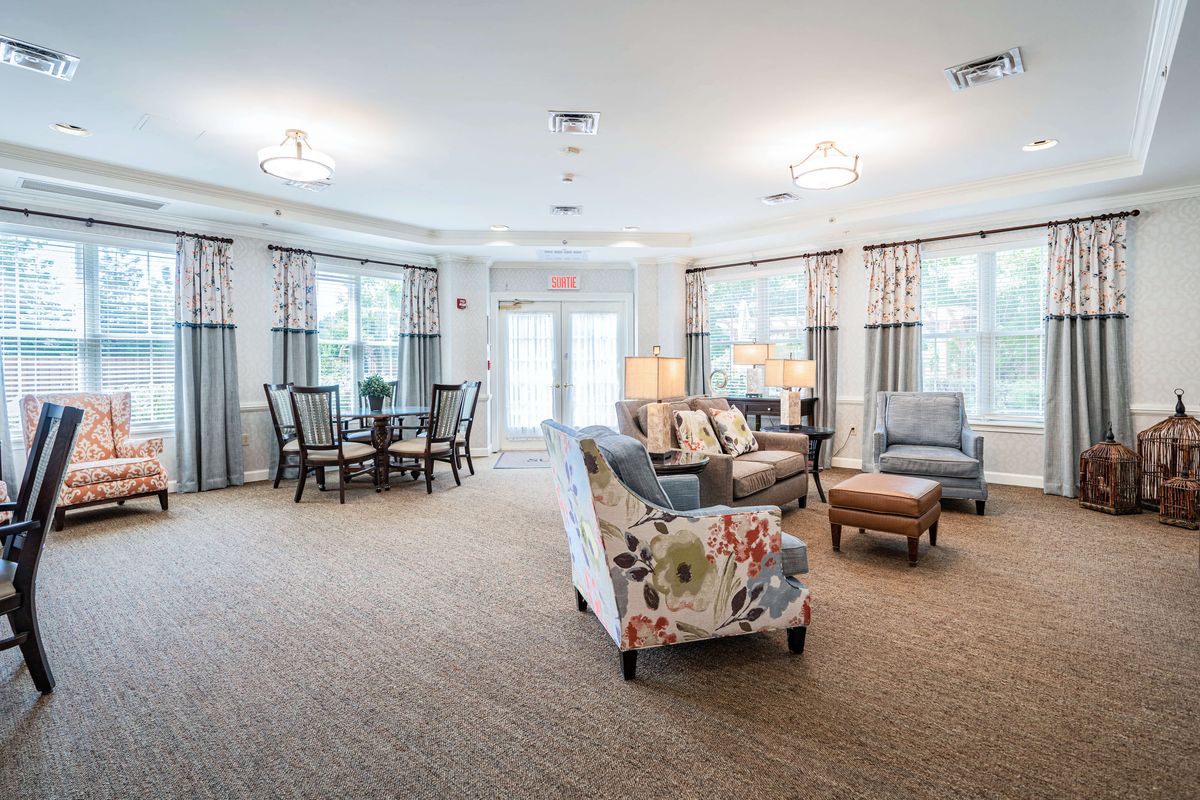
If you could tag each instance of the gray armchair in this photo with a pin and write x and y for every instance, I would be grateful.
(926, 435)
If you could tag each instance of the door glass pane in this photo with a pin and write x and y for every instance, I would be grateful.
(594, 366)
(531, 353)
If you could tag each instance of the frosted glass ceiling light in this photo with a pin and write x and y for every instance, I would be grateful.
(826, 167)
(294, 159)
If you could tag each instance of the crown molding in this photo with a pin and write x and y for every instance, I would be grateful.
(1164, 35)
(632, 241)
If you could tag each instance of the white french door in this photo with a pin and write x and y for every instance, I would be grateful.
(561, 361)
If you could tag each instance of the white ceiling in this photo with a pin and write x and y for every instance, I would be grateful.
(436, 112)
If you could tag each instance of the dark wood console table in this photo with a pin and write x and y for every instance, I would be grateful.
(760, 407)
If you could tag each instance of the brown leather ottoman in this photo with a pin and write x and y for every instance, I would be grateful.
(888, 503)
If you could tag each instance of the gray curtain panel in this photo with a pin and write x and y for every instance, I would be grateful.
(420, 360)
(294, 357)
(208, 416)
(1087, 361)
(893, 331)
(8, 470)
(294, 326)
(821, 308)
(699, 361)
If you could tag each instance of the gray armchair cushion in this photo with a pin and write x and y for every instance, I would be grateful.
(795, 554)
(682, 490)
(921, 418)
(784, 462)
(631, 463)
(940, 462)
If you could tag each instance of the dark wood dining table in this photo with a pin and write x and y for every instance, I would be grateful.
(381, 433)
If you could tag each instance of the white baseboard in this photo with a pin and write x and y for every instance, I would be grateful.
(847, 463)
(1002, 478)
(253, 475)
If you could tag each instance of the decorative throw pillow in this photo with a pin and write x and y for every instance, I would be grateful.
(695, 433)
(733, 432)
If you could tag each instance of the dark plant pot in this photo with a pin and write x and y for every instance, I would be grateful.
(376, 403)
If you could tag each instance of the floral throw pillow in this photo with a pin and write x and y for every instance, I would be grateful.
(733, 432)
(695, 433)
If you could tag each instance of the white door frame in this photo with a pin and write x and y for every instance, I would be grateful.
(495, 299)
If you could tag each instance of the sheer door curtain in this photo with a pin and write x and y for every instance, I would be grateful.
(595, 364)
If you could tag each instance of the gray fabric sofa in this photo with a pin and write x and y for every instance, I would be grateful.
(926, 435)
(775, 474)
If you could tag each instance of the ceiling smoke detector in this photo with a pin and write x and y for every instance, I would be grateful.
(985, 70)
(37, 58)
(577, 122)
(566, 211)
(779, 199)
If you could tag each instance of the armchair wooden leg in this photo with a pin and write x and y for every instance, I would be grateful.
(60, 518)
(628, 664)
(796, 638)
(343, 476)
(835, 532)
(580, 603)
(301, 480)
(470, 463)
(454, 469)
(933, 534)
(279, 470)
(804, 501)
(979, 504)
(914, 546)
(162, 499)
(24, 621)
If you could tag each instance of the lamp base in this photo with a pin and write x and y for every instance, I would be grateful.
(658, 427)
(790, 408)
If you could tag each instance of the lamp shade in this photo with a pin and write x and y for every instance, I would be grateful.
(294, 159)
(791, 373)
(826, 167)
(751, 354)
(654, 378)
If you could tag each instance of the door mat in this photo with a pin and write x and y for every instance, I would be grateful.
(516, 460)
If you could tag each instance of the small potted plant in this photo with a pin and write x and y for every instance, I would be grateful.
(376, 390)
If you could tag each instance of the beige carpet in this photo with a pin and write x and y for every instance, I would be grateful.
(412, 646)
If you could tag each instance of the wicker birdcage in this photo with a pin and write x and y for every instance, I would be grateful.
(1168, 450)
(1180, 498)
(1110, 478)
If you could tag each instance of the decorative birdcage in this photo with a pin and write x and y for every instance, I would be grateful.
(1110, 478)
(1170, 449)
(1180, 498)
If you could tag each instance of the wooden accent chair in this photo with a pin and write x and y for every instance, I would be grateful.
(317, 413)
(106, 466)
(418, 455)
(21, 540)
(279, 401)
(462, 441)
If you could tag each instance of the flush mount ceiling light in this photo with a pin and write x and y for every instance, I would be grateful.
(37, 58)
(826, 167)
(69, 129)
(499, 227)
(294, 159)
(1040, 144)
(631, 228)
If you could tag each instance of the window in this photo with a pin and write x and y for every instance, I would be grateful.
(78, 316)
(359, 320)
(764, 309)
(981, 329)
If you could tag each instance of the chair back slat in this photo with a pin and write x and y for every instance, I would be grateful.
(279, 402)
(445, 411)
(470, 400)
(317, 415)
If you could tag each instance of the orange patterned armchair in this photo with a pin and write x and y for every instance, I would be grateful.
(106, 465)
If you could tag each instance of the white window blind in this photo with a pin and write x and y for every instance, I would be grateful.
(764, 309)
(359, 321)
(981, 329)
(79, 316)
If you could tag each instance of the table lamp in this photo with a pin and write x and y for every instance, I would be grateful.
(753, 355)
(791, 375)
(655, 378)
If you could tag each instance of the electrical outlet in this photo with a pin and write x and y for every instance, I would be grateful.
(853, 430)
(245, 440)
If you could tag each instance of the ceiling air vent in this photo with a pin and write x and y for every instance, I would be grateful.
(566, 211)
(580, 122)
(37, 58)
(562, 254)
(779, 199)
(89, 194)
(309, 186)
(985, 70)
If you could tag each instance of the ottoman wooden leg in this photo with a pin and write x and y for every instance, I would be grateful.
(933, 534)
(913, 544)
(835, 531)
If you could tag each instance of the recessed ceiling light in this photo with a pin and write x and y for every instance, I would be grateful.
(631, 228)
(499, 227)
(69, 129)
(1040, 144)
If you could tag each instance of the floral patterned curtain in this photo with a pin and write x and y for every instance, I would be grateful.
(208, 417)
(698, 359)
(294, 327)
(420, 359)
(893, 330)
(1087, 364)
(821, 274)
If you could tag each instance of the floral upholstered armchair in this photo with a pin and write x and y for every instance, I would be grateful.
(657, 576)
(106, 466)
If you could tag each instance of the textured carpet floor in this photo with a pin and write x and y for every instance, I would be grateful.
(412, 646)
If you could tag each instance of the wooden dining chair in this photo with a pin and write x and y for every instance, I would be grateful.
(21, 540)
(279, 401)
(318, 416)
(445, 413)
(462, 441)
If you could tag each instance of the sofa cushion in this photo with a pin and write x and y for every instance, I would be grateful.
(750, 477)
(695, 432)
(940, 462)
(86, 473)
(733, 432)
(924, 418)
(785, 462)
(795, 554)
(708, 404)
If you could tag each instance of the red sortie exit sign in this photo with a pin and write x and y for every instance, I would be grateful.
(564, 281)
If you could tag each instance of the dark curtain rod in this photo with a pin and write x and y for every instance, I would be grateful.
(90, 221)
(837, 252)
(985, 234)
(348, 258)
